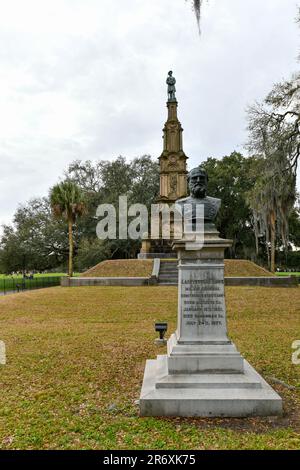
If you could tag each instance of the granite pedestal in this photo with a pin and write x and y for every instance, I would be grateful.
(203, 373)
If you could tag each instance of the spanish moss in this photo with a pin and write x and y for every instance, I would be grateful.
(197, 8)
(196, 5)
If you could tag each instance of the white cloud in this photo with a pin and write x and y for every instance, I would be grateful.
(86, 79)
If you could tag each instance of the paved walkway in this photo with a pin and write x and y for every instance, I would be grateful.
(7, 292)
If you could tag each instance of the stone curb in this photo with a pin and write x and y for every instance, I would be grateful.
(153, 280)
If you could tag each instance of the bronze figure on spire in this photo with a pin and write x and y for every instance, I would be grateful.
(171, 81)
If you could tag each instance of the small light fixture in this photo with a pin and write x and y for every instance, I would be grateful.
(161, 328)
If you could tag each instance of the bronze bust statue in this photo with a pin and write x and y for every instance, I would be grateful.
(197, 181)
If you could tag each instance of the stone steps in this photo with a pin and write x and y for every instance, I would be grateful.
(168, 273)
(208, 395)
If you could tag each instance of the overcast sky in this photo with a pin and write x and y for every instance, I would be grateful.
(85, 79)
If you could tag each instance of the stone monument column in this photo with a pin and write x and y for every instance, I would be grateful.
(172, 162)
(203, 373)
(173, 174)
(201, 342)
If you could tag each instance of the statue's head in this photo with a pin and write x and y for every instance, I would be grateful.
(197, 181)
(170, 73)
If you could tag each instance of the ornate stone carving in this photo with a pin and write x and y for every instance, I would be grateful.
(173, 171)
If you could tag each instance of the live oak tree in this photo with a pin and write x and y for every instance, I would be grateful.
(294, 225)
(37, 241)
(230, 179)
(276, 122)
(104, 182)
(274, 135)
(138, 179)
(34, 241)
(272, 200)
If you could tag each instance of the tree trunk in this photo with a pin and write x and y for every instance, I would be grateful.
(256, 235)
(268, 255)
(70, 223)
(273, 241)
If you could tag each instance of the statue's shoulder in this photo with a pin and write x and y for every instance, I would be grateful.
(214, 201)
(184, 200)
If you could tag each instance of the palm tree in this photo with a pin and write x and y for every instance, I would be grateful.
(68, 201)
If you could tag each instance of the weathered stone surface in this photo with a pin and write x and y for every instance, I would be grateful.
(203, 374)
(172, 162)
(173, 175)
(206, 395)
(229, 281)
(105, 281)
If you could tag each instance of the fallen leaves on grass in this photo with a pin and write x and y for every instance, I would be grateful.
(76, 357)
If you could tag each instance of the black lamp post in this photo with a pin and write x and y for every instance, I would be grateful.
(161, 328)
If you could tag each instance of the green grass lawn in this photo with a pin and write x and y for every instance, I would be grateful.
(287, 274)
(76, 358)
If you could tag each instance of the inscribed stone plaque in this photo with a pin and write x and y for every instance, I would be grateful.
(202, 314)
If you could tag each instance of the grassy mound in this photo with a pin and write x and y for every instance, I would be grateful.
(76, 359)
(121, 268)
(143, 268)
(244, 268)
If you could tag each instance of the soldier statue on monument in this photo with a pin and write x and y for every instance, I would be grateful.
(171, 82)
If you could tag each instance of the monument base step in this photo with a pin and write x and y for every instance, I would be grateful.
(206, 395)
(206, 356)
